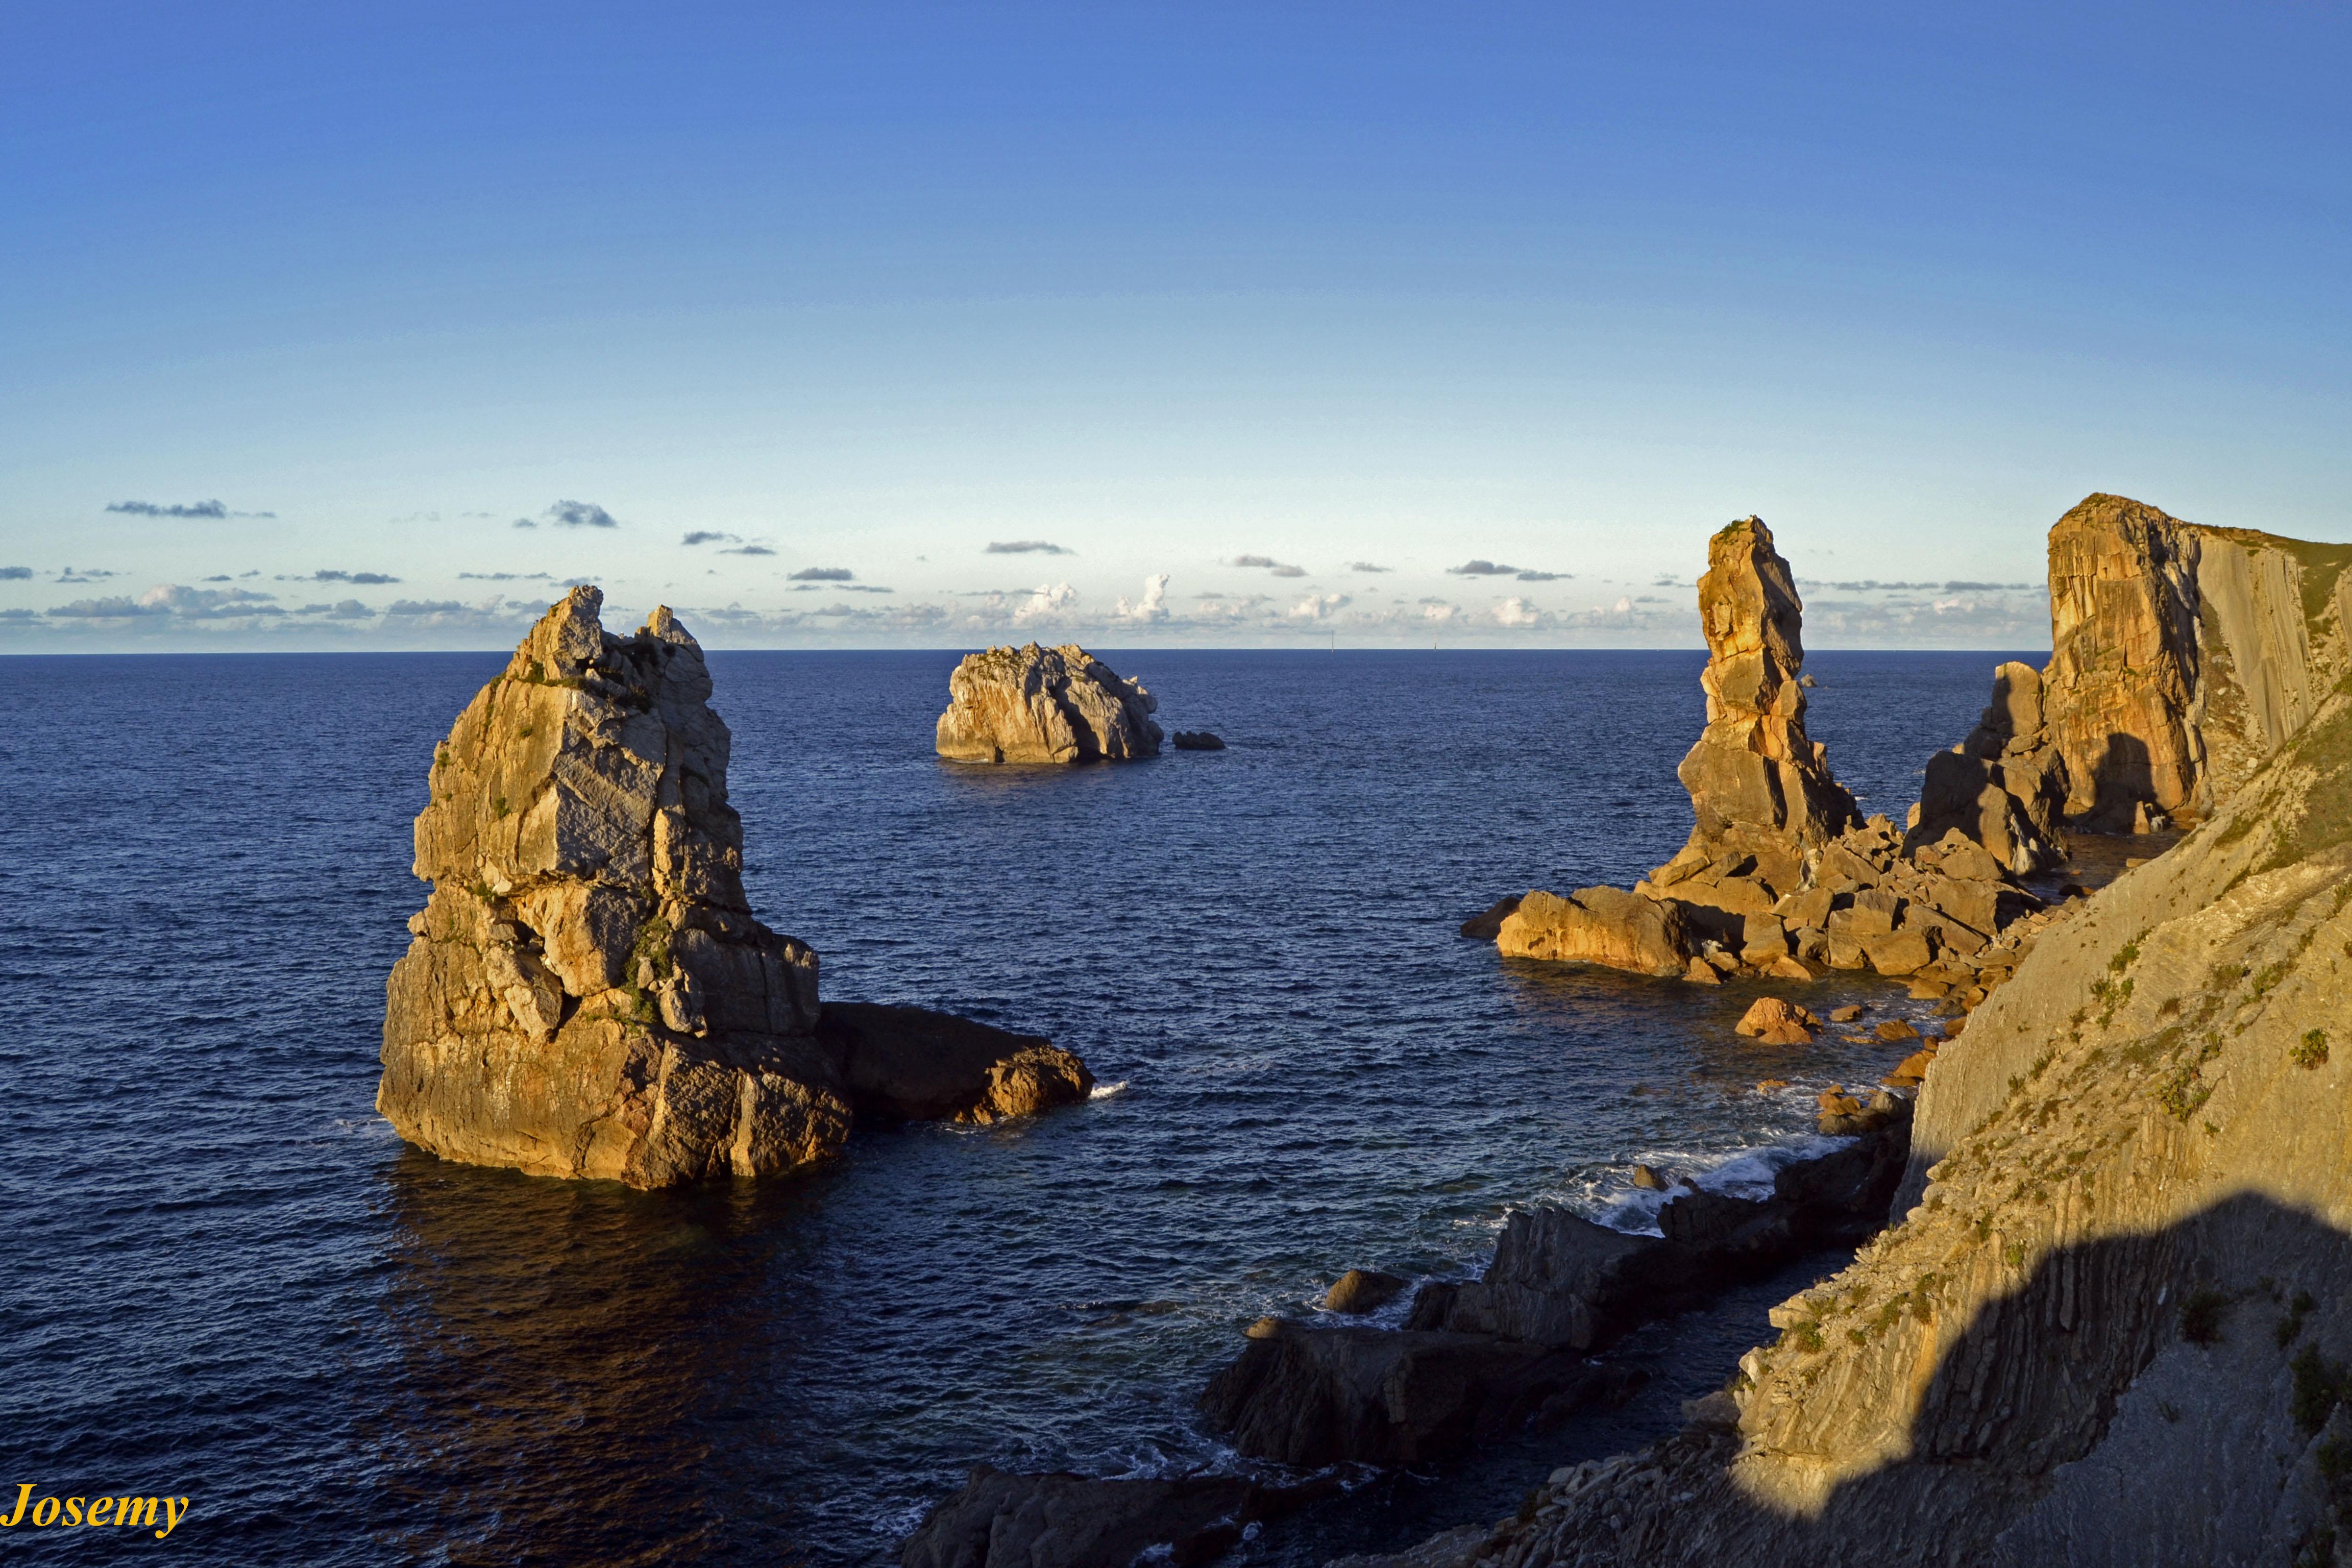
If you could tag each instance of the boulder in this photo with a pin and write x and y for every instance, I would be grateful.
(1039, 704)
(1777, 1022)
(911, 1064)
(1003, 1521)
(1598, 925)
(588, 992)
(1361, 1290)
(1197, 740)
(1313, 1397)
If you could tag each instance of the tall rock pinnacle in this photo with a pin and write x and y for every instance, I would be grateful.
(1758, 784)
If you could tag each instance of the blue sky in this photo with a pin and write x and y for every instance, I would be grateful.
(866, 289)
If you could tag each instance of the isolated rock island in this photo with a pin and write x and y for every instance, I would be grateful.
(1039, 704)
(587, 992)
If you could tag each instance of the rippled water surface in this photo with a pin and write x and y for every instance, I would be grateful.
(227, 1279)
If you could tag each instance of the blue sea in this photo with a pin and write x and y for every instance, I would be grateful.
(226, 1278)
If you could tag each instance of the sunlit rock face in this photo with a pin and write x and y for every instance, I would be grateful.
(1039, 704)
(2182, 656)
(1759, 784)
(588, 992)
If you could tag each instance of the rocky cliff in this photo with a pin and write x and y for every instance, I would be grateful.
(2182, 655)
(1039, 704)
(2114, 1324)
(588, 992)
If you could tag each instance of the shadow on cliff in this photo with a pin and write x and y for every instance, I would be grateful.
(2035, 1382)
(566, 1356)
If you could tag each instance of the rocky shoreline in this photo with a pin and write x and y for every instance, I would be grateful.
(1782, 878)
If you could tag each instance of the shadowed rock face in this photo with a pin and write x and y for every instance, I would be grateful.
(1003, 1521)
(588, 992)
(1045, 705)
(911, 1064)
(2003, 787)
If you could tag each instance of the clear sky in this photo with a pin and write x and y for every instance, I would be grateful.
(372, 326)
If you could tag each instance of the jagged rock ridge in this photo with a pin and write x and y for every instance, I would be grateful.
(588, 992)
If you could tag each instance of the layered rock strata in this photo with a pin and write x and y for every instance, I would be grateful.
(1039, 704)
(2182, 655)
(2115, 1323)
(587, 992)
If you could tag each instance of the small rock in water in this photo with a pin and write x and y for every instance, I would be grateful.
(1362, 1291)
(1198, 740)
(1264, 1329)
(1806, 682)
(1847, 1014)
(1896, 1029)
(1776, 1022)
(1647, 1178)
(1771, 1085)
(1701, 973)
(1487, 927)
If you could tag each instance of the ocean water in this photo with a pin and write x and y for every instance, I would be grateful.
(225, 1279)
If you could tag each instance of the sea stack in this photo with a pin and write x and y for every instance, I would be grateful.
(1758, 786)
(1039, 704)
(588, 992)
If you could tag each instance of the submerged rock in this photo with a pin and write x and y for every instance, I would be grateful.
(1039, 704)
(588, 992)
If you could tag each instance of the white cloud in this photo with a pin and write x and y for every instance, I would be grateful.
(1314, 609)
(1044, 600)
(1152, 606)
(1517, 612)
